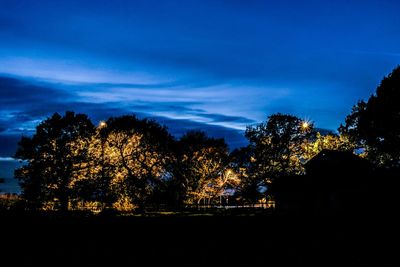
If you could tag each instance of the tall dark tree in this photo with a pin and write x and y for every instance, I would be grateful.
(375, 124)
(52, 156)
(278, 146)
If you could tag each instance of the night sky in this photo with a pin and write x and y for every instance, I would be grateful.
(211, 65)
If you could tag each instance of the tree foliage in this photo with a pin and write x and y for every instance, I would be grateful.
(248, 189)
(53, 156)
(128, 158)
(200, 165)
(278, 146)
(375, 124)
(139, 149)
(327, 142)
(69, 161)
(127, 163)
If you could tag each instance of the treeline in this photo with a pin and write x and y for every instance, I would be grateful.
(127, 163)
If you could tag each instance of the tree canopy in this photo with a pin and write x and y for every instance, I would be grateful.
(375, 124)
(126, 163)
(278, 145)
(201, 161)
(53, 157)
(138, 150)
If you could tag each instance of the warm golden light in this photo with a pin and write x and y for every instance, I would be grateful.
(305, 125)
(102, 124)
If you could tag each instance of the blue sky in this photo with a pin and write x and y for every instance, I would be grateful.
(211, 65)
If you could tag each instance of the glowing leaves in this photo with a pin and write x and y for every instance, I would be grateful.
(136, 152)
(278, 144)
(55, 152)
(329, 142)
(200, 164)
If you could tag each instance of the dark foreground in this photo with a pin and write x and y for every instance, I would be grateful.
(262, 240)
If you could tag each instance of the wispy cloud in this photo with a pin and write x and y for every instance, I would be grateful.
(26, 102)
(8, 159)
(23, 101)
(70, 70)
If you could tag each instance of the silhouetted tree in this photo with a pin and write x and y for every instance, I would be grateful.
(53, 155)
(375, 124)
(278, 146)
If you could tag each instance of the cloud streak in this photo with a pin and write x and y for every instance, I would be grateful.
(26, 102)
(8, 159)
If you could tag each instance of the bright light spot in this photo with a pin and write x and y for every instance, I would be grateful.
(305, 125)
(102, 124)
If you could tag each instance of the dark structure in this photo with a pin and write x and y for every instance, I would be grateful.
(339, 182)
(335, 182)
(291, 194)
(385, 190)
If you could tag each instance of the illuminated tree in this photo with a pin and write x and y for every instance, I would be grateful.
(375, 124)
(52, 155)
(223, 185)
(200, 167)
(137, 151)
(278, 146)
(248, 189)
(328, 142)
(92, 180)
